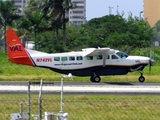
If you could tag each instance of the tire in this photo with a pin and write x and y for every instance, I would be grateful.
(141, 79)
(96, 79)
(91, 79)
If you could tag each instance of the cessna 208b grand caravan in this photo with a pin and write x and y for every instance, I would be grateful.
(94, 62)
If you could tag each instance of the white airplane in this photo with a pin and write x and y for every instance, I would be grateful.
(94, 62)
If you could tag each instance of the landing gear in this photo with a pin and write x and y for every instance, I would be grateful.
(95, 78)
(141, 78)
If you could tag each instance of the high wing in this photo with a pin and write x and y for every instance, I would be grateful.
(98, 51)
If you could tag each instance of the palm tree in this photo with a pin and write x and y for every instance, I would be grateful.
(57, 9)
(33, 22)
(8, 13)
(46, 16)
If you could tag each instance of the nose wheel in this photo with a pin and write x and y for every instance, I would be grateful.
(141, 78)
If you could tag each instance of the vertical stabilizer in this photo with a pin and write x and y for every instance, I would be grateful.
(16, 51)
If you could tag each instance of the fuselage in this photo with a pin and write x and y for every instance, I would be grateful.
(116, 63)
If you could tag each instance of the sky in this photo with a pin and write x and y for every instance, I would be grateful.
(99, 8)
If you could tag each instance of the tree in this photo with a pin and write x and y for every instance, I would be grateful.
(50, 17)
(32, 5)
(116, 32)
(8, 13)
(157, 26)
(97, 30)
(35, 20)
(57, 9)
(156, 34)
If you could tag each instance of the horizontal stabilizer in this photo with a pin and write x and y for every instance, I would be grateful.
(20, 57)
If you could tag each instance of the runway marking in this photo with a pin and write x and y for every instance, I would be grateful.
(83, 89)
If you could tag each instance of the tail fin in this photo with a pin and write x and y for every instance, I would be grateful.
(16, 52)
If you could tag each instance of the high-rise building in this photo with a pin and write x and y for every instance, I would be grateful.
(152, 11)
(77, 16)
(21, 4)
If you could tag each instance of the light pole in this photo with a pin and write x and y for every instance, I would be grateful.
(117, 10)
(110, 9)
(140, 15)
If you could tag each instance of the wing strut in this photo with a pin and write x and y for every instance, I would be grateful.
(104, 60)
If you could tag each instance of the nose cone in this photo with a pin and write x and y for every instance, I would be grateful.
(151, 61)
(147, 60)
(142, 59)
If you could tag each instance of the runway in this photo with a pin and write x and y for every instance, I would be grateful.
(107, 88)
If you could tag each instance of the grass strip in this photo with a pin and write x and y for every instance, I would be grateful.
(87, 107)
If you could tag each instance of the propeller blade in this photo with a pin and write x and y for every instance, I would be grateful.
(150, 64)
(150, 54)
(151, 61)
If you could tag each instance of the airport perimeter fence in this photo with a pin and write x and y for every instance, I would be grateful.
(47, 106)
(82, 107)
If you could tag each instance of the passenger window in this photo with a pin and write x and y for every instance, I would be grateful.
(64, 58)
(89, 57)
(114, 57)
(79, 58)
(99, 57)
(71, 58)
(56, 58)
(107, 57)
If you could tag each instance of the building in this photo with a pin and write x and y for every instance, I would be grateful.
(21, 4)
(152, 11)
(77, 16)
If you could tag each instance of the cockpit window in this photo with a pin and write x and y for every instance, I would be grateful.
(122, 54)
(114, 57)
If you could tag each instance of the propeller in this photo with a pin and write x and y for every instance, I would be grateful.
(150, 64)
(151, 61)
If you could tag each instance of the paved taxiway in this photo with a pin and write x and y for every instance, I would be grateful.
(103, 88)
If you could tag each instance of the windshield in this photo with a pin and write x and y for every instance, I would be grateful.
(122, 54)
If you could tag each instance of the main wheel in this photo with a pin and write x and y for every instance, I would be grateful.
(91, 79)
(141, 79)
(95, 79)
